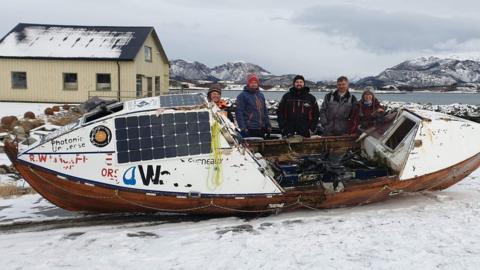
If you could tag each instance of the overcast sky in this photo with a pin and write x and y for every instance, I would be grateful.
(320, 39)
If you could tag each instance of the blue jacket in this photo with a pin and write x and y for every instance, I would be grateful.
(252, 112)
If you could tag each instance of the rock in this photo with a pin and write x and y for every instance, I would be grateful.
(66, 107)
(56, 108)
(76, 110)
(48, 111)
(19, 132)
(31, 124)
(29, 115)
(8, 122)
(4, 169)
(64, 120)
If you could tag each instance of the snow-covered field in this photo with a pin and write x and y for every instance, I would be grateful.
(18, 109)
(437, 230)
(432, 230)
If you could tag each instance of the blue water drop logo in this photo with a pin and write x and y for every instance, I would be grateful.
(131, 179)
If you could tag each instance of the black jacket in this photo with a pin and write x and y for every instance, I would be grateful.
(298, 112)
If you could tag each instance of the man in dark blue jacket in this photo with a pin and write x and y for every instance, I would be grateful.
(252, 112)
(298, 111)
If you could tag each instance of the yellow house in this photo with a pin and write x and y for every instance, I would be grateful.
(67, 63)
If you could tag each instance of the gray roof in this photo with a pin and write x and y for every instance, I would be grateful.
(75, 42)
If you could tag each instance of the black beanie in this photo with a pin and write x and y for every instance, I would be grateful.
(298, 77)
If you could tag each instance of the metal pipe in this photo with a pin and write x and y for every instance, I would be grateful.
(118, 93)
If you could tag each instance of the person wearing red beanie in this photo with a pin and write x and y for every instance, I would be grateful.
(252, 81)
(252, 112)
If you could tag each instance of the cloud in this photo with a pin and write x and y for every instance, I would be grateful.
(319, 41)
(386, 32)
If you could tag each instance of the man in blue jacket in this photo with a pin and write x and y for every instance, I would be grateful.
(252, 113)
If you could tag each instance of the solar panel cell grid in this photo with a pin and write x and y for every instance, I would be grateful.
(149, 137)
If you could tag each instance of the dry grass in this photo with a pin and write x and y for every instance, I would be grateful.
(8, 190)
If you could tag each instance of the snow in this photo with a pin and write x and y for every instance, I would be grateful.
(18, 109)
(434, 230)
(64, 42)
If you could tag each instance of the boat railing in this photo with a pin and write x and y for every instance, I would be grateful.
(122, 96)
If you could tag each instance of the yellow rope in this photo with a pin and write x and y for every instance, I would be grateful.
(215, 172)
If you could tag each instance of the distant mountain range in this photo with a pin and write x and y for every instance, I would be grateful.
(420, 73)
(431, 72)
(236, 72)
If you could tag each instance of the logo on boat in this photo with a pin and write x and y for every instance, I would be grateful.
(142, 103)
(129, 176)
(149, 175)
(100, 136)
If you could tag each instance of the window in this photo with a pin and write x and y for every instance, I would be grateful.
(139, 85)
(400, 133)
(104, 82)
(157, 86)
(19, 80)
(148, 53)
(70, 81)
(149, 86)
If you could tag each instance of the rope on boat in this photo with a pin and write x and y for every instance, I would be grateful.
(160, 209)
(215, 172)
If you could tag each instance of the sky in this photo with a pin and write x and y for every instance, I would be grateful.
(319, 39)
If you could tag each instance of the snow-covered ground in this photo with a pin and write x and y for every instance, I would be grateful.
(432, 230)
(18, 109)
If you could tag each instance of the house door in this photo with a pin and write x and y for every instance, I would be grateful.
(149, 86)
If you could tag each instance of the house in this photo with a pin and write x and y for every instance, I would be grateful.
(68, 63)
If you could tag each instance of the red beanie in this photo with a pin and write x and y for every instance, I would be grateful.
(252, 77)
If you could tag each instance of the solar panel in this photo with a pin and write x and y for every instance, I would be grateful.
(172, 101)
(149, 137)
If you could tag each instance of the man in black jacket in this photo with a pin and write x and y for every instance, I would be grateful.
(298, 110)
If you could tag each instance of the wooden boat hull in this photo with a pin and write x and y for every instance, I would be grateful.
(76, 196)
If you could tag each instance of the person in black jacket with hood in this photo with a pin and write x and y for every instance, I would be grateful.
(298, 110)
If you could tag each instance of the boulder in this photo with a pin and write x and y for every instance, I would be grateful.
(8, 122)
(48, 111)
(29, 115)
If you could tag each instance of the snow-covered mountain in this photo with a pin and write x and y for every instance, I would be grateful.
(236, 71)
(428, 72)
(181, 69)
